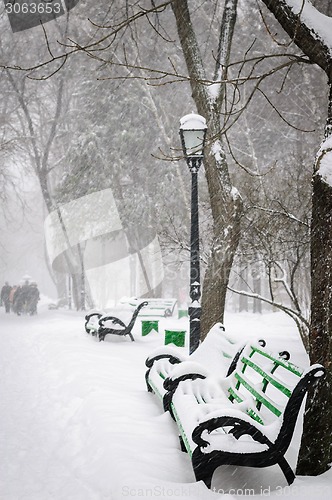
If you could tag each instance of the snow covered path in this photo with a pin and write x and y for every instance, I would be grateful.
(76, 422)
(75, 415)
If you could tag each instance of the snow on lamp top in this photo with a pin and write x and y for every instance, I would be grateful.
(192, 133)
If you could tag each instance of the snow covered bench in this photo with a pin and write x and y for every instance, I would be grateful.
(155, 307)
(217, 351)
(100, 324)
(246, 419)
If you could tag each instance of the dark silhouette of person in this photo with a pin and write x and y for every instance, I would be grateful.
(5, 292)
(33, 298)
(18, 300)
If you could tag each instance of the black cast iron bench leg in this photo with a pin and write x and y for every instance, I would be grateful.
(286, 469)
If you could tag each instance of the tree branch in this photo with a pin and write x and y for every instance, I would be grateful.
(305, 37)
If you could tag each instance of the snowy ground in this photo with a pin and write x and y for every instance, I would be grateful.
(76, 422)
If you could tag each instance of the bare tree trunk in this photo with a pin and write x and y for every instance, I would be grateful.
(315, 454)
(227, 236)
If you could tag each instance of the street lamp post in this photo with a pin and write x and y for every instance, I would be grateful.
(193, 133)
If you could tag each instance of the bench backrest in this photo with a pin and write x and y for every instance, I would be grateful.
(217, 351)
(262, 384)
(156, 307)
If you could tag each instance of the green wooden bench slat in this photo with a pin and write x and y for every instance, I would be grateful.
(289, 366)
(268, 377)
(156, 390)
(182, 432)
(151, 306)
(155, 307)
(264, 400)
(234, 395)
(252, 413)
(153, 313)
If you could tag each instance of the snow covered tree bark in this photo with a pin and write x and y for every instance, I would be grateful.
(315, 455)
(226, 203)
(302, 22)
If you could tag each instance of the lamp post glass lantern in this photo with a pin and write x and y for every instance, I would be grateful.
(192, 134)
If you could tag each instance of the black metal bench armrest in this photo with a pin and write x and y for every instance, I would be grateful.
(184, 371)
(310, 378)
(171, 384)
(88, 317)
(171, 357)
(114, 319)
(236, 426)
(93, 313)
(171, 388)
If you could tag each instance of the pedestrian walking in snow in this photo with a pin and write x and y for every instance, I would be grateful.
(11, 297)
(5, 291)
(18, 300)
(33, 298)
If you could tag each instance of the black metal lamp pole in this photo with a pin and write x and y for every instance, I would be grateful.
(192, 133)
(194, 309)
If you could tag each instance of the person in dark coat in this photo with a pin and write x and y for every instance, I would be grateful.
(5, 292)
(25, 296)
(33, 298)
(11, 297)
(18, 300)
